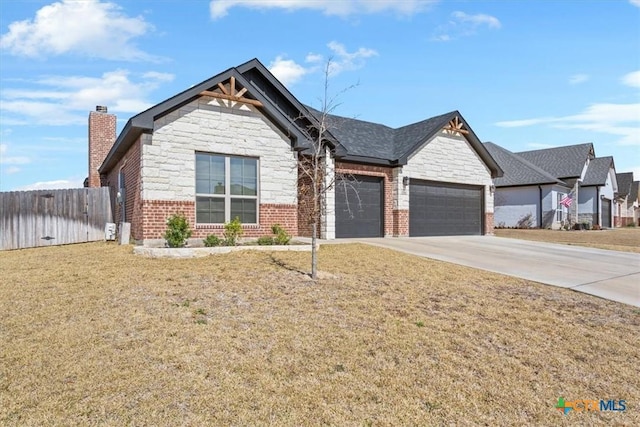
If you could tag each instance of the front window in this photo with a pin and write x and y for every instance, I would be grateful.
(559, 208)
(226, 187)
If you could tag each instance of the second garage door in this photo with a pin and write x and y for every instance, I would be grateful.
(359, 203)
(606, 213)
(443, 209)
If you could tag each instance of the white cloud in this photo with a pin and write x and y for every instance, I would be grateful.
(463, 24)
(524, 122)
(12, 170)
(621, 120)
(89, 28)
(635, 2)
(578, 78)
(632, 79)
(59, 184)
(11, 160)
(477, 20)
(220, 8)
(345, 61)
(287, 70)
(65, 100)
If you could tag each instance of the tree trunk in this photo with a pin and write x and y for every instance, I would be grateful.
(314, 253)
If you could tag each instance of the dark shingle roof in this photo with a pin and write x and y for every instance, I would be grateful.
(597, 171)
(625, 180)
(364, 139)
(359, 137)
(561, 162)
(353, 140)
(408, 138)
(518, 171)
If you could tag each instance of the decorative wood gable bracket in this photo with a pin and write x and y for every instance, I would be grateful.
(456, 127)
(229, 93)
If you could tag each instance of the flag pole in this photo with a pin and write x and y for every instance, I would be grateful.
(578, 181)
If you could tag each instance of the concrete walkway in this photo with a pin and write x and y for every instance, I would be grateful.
(608, 274)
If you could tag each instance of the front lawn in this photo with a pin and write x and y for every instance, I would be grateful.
(625, 239)
(93, 335)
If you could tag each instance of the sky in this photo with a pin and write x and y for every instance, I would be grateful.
(524, 74)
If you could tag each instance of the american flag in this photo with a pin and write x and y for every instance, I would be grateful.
(566, 201)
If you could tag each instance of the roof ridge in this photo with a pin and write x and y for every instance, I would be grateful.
(556, 148)
(526, 163)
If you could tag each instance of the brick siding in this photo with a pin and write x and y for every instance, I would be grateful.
(488, 223)
(156, 213)
(130, 165)
(400, 222)
(102, 135)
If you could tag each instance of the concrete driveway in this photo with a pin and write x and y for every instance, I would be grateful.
(607, 274)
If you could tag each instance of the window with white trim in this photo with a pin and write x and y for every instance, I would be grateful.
(226, 187)
(560, 208)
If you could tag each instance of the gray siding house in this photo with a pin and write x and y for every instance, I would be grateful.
(534, 183)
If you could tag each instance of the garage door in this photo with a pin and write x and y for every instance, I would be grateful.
(359, 203)
(443, 209)
(606, 213)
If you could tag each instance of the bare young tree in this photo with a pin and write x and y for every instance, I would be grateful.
(316, 170)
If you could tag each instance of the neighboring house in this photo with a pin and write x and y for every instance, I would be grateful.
(526, 195)
(535, 182)
(230, 145)
(634, 200)
(626, 200)
(597, 192)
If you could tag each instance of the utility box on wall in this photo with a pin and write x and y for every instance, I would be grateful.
(110, 231)
(125, 233)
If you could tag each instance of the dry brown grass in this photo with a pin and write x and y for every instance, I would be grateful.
(619, 239)
(92, 335)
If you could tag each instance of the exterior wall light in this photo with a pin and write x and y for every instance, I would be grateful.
(405, 181)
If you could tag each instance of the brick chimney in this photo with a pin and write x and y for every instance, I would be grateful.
(102, 135)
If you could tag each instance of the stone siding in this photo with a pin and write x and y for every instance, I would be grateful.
(213, 126)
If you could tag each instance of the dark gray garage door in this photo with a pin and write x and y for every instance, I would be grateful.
(359, 203)
(606, 213)
(442, 209)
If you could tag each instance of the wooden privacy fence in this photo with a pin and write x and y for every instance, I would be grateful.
(53, 217)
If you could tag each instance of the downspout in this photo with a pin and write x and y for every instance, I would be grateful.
(540, 207)
(598, 213)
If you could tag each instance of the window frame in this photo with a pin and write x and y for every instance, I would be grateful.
(227, 196)
(560, 208)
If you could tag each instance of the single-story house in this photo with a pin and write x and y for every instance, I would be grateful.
(534, 183)
(230, 146)
(526, 196)
(626, 211)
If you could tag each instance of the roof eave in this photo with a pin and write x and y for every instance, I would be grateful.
(144, 121)
(496, 171)
(368, 160)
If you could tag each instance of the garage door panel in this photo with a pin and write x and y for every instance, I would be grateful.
(441, 209)
(359, 204)
(606, 213)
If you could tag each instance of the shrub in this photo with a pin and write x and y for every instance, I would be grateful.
(525, 221)
(265, 241)
(282, 238)
(232, 231)
(178, 231)
(212, 240)
(596, 227)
